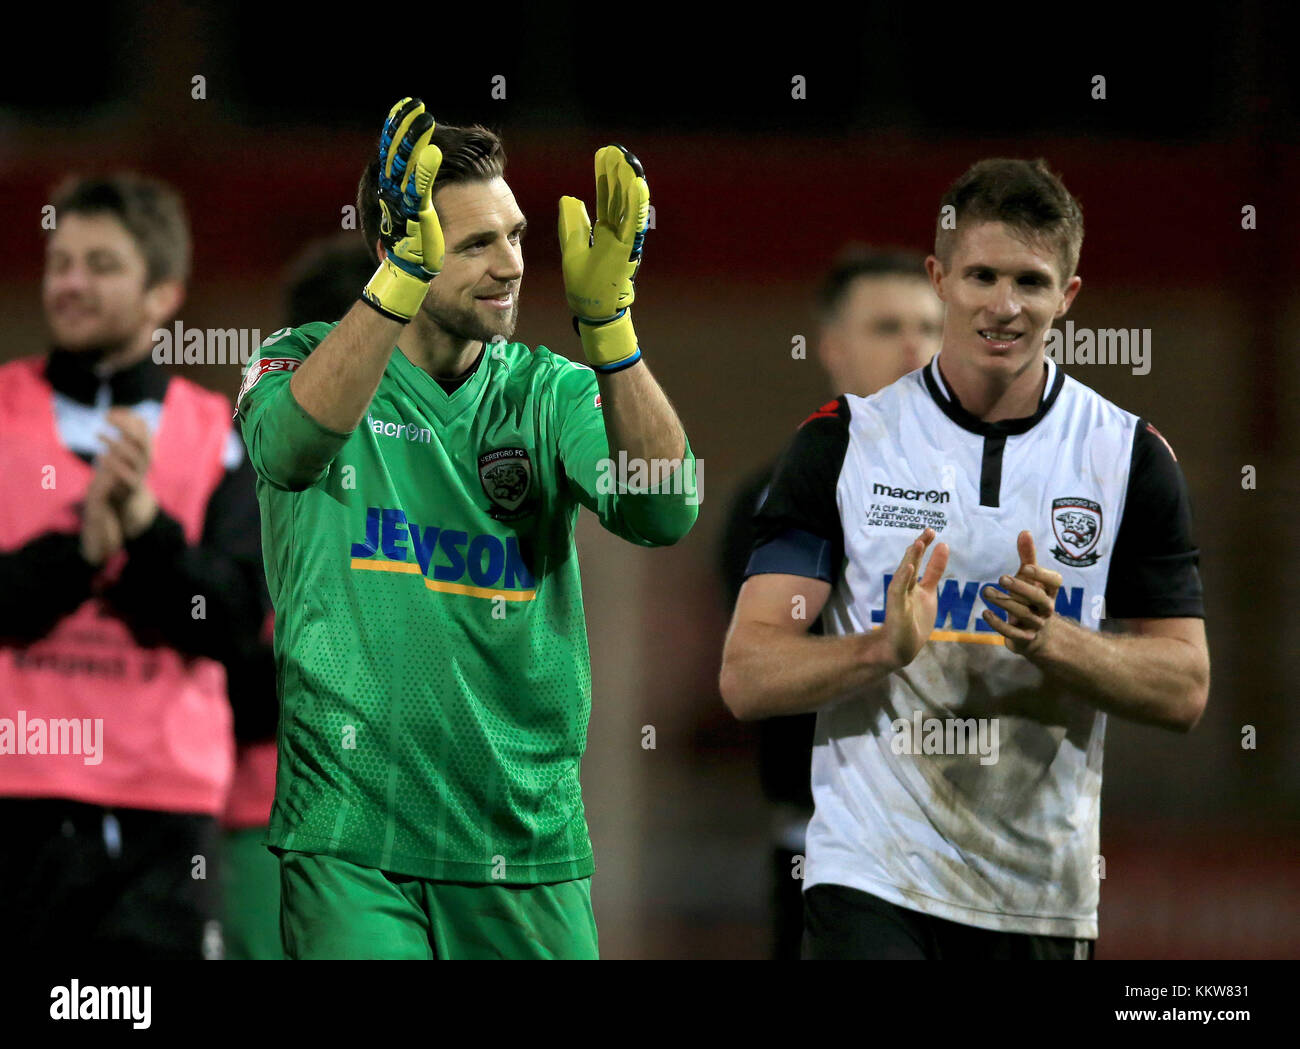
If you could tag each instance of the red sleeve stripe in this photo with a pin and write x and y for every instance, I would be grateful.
(1162, 441)
(829, 410)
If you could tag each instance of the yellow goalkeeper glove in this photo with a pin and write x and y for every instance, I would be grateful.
(600, 265)
(408, 229)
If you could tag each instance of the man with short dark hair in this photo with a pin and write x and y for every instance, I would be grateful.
(957, 756)
(420, 477)
(877, 320)
(129, 566)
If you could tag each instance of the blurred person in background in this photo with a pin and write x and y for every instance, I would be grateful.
(878, 319)
(322, 286)
(130, 568)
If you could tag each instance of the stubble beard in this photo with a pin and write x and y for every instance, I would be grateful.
(465, 323)
(96, 348)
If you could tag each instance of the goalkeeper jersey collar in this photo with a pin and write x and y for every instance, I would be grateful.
(445, 406)
(452, 385)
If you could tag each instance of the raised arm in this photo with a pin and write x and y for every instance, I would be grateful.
(640, 423)
(295, 428)
(657, 501)
(1157, 671)
(600, 264)
(1158, 675)
(337, 383)
(771, 665)
(648, 516)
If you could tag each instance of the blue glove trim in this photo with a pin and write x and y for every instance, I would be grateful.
(414, 269)
(379, 309)
(618, 366)
(604, 320)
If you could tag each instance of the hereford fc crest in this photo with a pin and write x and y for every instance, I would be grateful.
(506, 474)
(1076, 523)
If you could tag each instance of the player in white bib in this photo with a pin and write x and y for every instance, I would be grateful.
(961, 703)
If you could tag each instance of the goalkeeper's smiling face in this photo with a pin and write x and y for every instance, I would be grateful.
(476, 295)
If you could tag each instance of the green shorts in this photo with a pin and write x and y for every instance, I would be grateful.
(251, 900)
(330, 908)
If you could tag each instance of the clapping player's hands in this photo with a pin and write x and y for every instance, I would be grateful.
(912, 599)
(600, 262)
(1029, 601)
(119, 503)
(408, 228)
(125, 461)
(101, 531)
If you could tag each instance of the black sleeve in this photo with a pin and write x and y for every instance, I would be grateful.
(163, 575)
(798, 529)
(784, 743)
(251, 686)
(1153, 570)
(738, 534)
(41, 582)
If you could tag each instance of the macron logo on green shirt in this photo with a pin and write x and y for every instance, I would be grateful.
(409, 431)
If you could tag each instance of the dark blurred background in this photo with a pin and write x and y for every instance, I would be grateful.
(754, 192)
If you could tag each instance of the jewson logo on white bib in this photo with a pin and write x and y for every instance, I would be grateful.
(102, 1003)
(383, 428)
(24, 735)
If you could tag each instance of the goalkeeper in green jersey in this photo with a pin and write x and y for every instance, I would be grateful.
(420, 476)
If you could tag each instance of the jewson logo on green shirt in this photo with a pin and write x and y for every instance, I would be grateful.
(475, 565)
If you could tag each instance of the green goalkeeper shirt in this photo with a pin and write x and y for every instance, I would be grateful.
(430, 644)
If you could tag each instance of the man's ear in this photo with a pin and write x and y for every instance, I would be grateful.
(830, 351)
(163, 301)
(934, 270)
(1071, 290)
